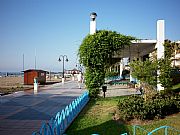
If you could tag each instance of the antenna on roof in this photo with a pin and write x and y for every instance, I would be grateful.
(23, 61)
(35, 59)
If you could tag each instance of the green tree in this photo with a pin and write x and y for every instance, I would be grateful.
(165, 67)
(111, 73)
(96, 52)
(146, 71)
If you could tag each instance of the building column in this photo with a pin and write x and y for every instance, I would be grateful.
(160, 47)
(121, 66)
(132, 79)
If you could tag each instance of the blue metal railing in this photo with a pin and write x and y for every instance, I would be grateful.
(165, 128)
(114, 78)
(58, 124)
(120, 134)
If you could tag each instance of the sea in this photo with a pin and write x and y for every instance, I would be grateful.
(11, 74)
(18, 74)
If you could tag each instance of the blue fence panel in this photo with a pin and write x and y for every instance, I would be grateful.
(144, 131)
(58, 124)
(45, 130)
(124, 134)
(165, 128)
(114, 78)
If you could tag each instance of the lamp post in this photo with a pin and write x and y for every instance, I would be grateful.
(80, 67)
(64, 57)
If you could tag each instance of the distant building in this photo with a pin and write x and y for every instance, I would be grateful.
(73, 71)
(176, 59)
(30, 74)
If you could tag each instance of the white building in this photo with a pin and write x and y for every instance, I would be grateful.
(176, 59)
(141, 48)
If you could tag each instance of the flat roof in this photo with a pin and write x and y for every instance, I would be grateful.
(137, 48)
(38, 70)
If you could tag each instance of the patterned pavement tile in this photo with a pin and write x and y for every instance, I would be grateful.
(29, 114)
(6, 110)
(25, 114)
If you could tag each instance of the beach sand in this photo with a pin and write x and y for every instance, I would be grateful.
(11, 81)
(12, 84)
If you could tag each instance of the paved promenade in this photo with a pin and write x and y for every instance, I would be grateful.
(22, 113)
(119, 90)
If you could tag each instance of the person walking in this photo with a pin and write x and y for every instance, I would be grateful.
(79, 78)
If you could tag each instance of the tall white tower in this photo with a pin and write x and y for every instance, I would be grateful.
(160, 39)
(160, 47)
(93, 16)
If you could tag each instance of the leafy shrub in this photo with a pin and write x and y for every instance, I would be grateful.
(146, 71)
(96, 54)
(159, 106)
(131, 107)
(111, 74)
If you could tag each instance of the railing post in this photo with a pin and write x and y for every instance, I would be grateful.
(166, 131)
(134, 130)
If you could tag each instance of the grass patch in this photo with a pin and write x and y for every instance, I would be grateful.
(177, 86)
(96, 117)
(99, 116)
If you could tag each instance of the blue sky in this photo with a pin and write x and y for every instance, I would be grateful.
(57, 27)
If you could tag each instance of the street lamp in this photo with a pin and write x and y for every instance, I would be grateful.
(64, 57)
(80, 67)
